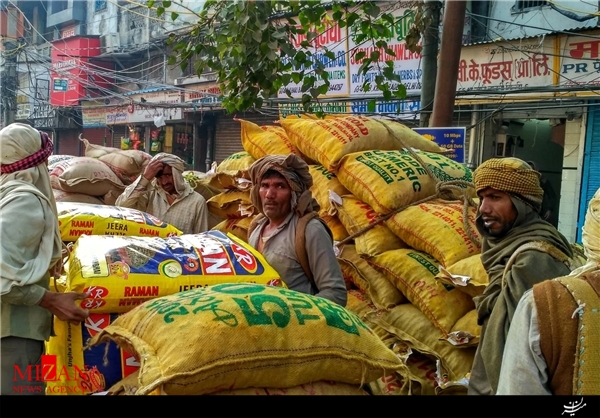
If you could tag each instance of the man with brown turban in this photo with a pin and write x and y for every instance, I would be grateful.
(519, 249)
(281, 193)
(30, 247)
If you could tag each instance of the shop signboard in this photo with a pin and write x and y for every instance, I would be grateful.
(452, 139)
(135, 112)
(93, 114)
(580, 61)
(204, 94)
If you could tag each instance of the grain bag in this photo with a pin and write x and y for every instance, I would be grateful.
(96, 151)
(445, 169)
(467, 275)
(411, 326)
(328, 140)
(200, 182)
(279, 337)
(237, 227)
(62, 196)
(379, 289)
(232, 204)
(77, 219)
(127, 165)
(413, 273)
(336, 227)
(360, 304)
(324, 183)
(385, 180)
(259, 141)
(438, 228)
(85, 372)
(356, 216)
(466, 332)
(53, 160)
(85, 175)
(239, 161)
(123, 272)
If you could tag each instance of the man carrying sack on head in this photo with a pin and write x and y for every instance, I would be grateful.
(553, 345)
(519, 249)
(31, 246)
(301, 252)
(162, 191)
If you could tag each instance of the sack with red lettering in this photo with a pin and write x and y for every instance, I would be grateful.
(127, 164)
(83, 372)
(85, 175)
(259, 141)
(121, 272)
(328, 140)
(77, 219)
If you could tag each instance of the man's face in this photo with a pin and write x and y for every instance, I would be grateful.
(166, 179)
(497, 211)
(275, 196)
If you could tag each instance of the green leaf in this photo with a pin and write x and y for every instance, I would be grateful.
(166, 3)
(174, 16)
(371, 106)
(150, 3)
(375, 55)
(160, 11)
(359, 55)
(387, 95)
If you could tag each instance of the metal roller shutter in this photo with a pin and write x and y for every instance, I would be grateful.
(98, 136)
(591, 166)
(228, 133)
(117, 132)
(69, 143)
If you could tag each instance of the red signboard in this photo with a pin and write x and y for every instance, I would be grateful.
(73, 75)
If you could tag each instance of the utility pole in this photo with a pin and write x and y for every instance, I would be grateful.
(445, 86)
(430, 51)
(8, 82)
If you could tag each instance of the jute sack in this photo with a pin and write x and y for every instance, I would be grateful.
(337, 228)
(76, 219)
(61, 196)
(466, 332)
(85, 175)
(467, 275)
(96, 151)
(355, 216)
(279, 337)
(421, 375)
(360, 304)
(385, 180)
(325, 181)
(445, 169)
(127, 165)
(380, 290)
(413, 272)
(411, 326)
(239, 161)
(259, 141)
(231, 204)
(121, 273)
(328, 140)
(237, 227)
(53, 160)
(111, 197)
(392, 384)
(200, 182)
(438, 228)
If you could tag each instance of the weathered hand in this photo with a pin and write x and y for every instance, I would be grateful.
(152, 169)
(64, 307)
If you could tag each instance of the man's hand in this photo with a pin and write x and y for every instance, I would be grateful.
(63, 306)
(152, 169)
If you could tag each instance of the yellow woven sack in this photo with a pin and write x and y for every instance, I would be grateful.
(360, 304)
(231, 204)
(259, 141)
(421, 375)
(437, 227)
(200, 182)
(80, 372)
(467, 275)
(237, 227)
(380, 290)
(466, 332)
(123, 272)
(278, 337)
(355, 216)
(385, 180)
(323, 387)
(337, 228)
(325, 181)
(413, 272)
(239, 161)
(77, 219)
(411, 326)
(328, 140)
(445, 169)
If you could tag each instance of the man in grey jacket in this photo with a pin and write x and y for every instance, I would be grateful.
(281, 193)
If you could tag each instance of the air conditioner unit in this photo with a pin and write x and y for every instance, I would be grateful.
(110, 43)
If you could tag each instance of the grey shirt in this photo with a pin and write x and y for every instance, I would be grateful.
(524, 370)
(280, 252)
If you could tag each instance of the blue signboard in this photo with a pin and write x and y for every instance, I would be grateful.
(452, 139)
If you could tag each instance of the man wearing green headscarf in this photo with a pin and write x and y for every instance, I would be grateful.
(519, 249)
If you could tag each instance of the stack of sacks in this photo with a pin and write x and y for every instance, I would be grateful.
(121, 272)
(246, 338)
(208, 185)
(77, 220)
(370, 168)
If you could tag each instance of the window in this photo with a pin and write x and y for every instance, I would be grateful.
(523, 6)
(59, 6)
(99, 5)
